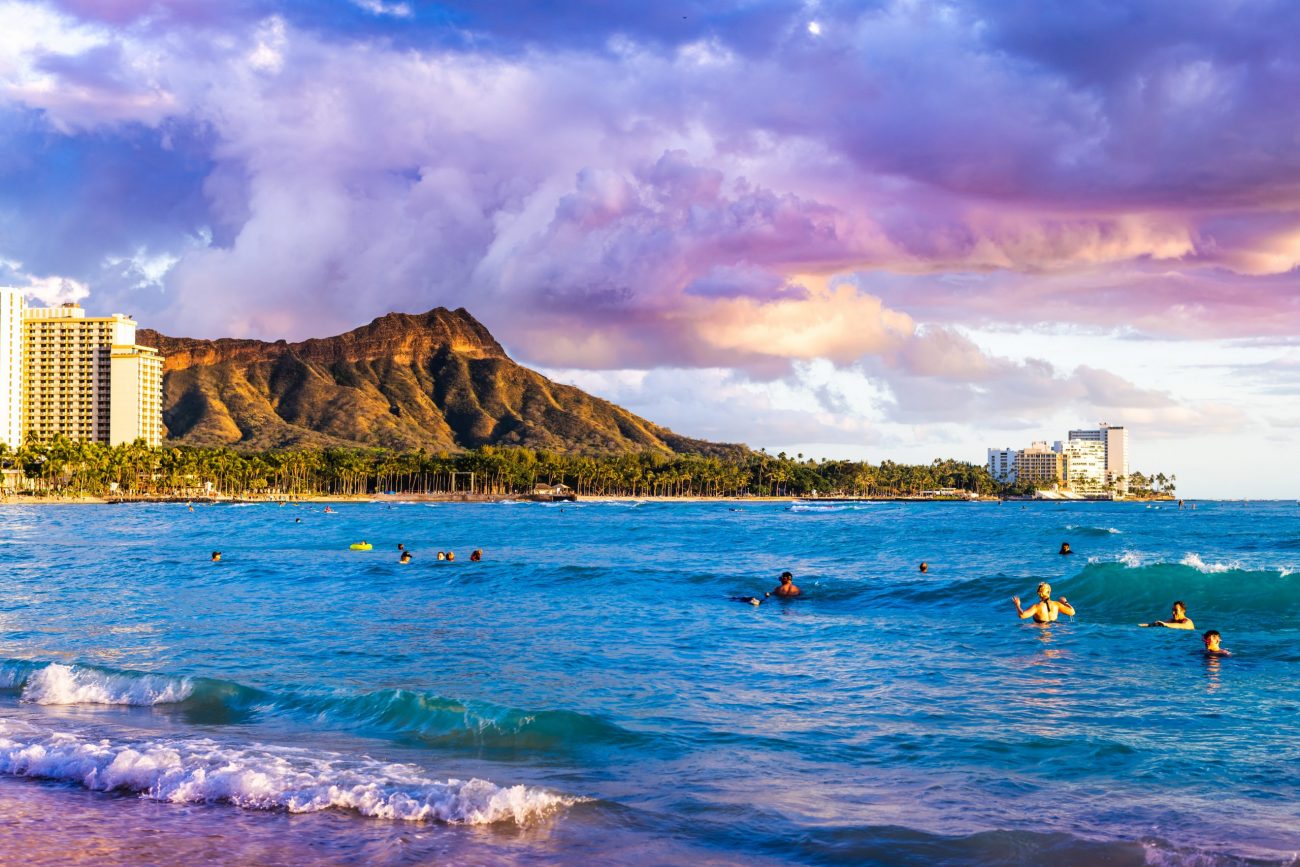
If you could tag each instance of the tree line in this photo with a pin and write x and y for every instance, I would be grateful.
(64, 466)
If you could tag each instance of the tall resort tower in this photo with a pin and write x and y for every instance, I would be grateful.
(85, 377)
(11, 367)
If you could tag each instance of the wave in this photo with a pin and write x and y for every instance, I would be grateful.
(817, 508)
(397, 713)
(1091, 531)
(198, 770)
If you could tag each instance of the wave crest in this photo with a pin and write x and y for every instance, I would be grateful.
(201, 771)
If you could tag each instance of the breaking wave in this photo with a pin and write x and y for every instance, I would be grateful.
(396, 713)
(198, 770)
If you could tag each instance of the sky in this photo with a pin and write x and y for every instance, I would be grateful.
(901, 229)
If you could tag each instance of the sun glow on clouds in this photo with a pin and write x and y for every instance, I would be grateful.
(819, 200)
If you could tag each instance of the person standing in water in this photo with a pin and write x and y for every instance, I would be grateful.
(787, 587)
(1065, 549)
(925, 567)
(1045, 610)
(1179, 619)
(405, 558)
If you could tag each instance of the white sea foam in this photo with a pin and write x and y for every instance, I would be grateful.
(837, 507)
(1131, 559)
(70, 684)
(263, 778)
(1194, 560)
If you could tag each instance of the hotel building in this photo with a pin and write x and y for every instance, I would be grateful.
(1084, 465)
(11, 367)
(1002, 465)
(81, 376)
(1115, 444)
(1040, 465)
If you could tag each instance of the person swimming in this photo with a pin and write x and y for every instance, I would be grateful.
(405, 558)
(924, 567)
(1065, 548)
(476, 555)
(787, 587)
(401, 547)
(442, 555)
(216, 556)
(451, 555)
(1045, 610)
(1212, 648)
(1178, 620)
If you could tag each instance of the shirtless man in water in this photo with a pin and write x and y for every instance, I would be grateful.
(786, 587)
(1179, 620)
(1045, 610)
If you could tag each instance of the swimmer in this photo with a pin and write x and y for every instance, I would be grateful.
(476, 556)
(1045, 610)
(924, 567)
(190, 506)
(442, 555)
(787, 587)
(297, 520)
(401, 547)
(451, 555)
(1212, 647)
(216, 556)
(1179, 619)
(1065, 548)
(328, 510)
(405, 558)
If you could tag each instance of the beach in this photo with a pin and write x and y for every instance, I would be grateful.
(589, 692)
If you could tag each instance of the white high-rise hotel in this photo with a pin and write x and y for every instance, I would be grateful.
(82, 376)
(1089, 462)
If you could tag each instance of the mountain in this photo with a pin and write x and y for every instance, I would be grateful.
(437, 381)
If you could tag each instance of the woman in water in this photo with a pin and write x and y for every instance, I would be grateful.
(1045, 610)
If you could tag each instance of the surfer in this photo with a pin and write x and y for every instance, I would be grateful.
(1212, 647)
(1065, 548)
(1179, 619)
(787, 587)
(1045, 610)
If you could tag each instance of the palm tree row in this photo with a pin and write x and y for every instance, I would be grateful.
(77, 468)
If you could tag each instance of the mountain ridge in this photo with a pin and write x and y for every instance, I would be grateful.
(437, 380)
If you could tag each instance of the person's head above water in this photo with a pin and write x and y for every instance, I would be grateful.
(1065, 548)
(442, 555)
(1044, 590)
(406, 557)
(786, 578)
(216, 555)
(1212, 639)
(924, 567)
(1180, 610)
(451, 555)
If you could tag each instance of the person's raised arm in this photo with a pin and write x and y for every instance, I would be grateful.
(1066, 607)
(1024, 612)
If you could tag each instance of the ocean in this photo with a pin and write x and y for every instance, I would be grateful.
(589, 693)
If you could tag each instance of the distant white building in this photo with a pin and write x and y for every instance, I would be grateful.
(1002, 465)
(1114, 440)
(1085, 465)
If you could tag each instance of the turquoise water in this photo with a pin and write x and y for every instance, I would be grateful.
(588, 692)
